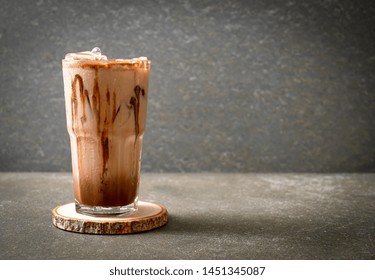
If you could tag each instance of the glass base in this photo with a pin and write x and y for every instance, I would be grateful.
(102, 211)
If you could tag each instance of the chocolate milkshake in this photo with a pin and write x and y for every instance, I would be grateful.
(106, 102)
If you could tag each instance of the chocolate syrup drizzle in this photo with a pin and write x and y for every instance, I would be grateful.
(94, 105)
(134, 102)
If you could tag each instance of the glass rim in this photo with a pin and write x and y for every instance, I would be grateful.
(128, 63)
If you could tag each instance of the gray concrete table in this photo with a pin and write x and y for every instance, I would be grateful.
(211, 216)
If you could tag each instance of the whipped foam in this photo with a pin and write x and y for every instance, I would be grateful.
(96, 55)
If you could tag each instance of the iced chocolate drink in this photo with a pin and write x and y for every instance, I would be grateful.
(106, 102)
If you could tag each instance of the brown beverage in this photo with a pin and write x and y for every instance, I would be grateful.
(106, 102)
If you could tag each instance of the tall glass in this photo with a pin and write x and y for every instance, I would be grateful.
(106, 103)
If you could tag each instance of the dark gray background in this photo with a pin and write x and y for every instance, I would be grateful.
(236, 86)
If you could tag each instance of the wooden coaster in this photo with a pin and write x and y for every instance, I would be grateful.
(148, 216)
